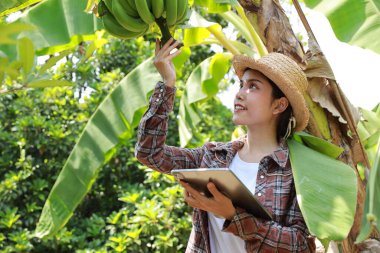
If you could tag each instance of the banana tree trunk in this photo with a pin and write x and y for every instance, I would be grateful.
(332, 115)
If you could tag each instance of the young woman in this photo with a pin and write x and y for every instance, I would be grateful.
(271, 105)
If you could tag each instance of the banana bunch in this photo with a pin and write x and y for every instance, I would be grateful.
(132, 18)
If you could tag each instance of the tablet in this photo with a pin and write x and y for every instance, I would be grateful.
(228, 183)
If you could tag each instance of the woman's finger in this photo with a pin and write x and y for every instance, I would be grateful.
(194, 193)
(170, 48)
(171, 56)
(214, 191)
(167, 44)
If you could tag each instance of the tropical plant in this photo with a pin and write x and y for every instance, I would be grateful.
(334, 122)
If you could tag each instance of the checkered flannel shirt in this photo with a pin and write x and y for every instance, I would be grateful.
(275, 188)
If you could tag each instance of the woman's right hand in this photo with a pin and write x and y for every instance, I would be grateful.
(163, 61)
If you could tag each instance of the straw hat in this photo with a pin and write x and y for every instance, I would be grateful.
(286, 74)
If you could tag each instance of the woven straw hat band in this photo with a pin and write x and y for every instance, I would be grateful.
(286, 74)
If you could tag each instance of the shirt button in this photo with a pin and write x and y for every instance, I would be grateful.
(159, 95)
(262, 176)
(259, 194)
(161, 90)
(157, 100)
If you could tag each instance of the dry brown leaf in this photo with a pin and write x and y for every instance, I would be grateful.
(320, 93)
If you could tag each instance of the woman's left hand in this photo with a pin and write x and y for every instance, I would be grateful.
(219, 204)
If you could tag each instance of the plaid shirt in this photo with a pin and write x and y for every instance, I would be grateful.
(275, 188)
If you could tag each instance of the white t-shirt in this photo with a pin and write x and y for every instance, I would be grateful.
(224, 242)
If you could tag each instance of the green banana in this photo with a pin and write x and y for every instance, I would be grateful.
(171, 12)
(130, 9)
(158, 7)
(181, 9)
(108, 3)
(132, 4)
(144, 12)
(114, 28)
(184, 16)
(128, 22)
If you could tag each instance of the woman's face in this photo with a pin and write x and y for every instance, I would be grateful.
(254, 105)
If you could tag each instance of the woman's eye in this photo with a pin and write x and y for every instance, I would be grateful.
(252, 85)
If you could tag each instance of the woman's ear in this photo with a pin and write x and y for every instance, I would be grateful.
(280, 105)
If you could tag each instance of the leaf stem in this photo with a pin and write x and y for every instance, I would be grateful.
(262, 50)
(223, 40)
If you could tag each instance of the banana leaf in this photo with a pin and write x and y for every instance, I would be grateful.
(355, 22)
(319, 144)
(111, 125)
(74, 26)
(9, 6)
(202, 83)
(326, 191)
(371, 215)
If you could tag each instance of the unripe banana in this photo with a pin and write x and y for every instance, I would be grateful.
(144, 12)
(158, 7)
(130, 9)
(114, 28)
(133, 5)
(181, 9)
(128, 22)
(184, 16)
(171, 12)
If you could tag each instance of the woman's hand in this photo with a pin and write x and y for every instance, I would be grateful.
(163, 61)
(220, 205)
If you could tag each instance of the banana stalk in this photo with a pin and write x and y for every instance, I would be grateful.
(239, 24)
(261, 49)
(223, 40)
(243, 48)
(166, 35)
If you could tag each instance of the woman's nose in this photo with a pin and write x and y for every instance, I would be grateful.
(240, 94)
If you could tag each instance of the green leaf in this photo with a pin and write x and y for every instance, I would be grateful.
(326, 191)
(355, 22)
(233, 18)
(371, 120)
(11, 29)
(179, 60)
(108, 128)
(25, 52)
(195, 30)
(61, 24)
(9, 6)
(320, 145)
(52, 61)
(213, 6)
(202, 83)
(371, 214)
(188, 119)
(48, 83)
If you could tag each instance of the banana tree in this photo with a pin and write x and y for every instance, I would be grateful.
(204, 81)
(323, 90)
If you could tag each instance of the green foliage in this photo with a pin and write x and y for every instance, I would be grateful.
(130, 207)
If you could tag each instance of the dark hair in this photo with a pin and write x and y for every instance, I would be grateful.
(284, 117)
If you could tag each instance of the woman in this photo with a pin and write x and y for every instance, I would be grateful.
(260, 158)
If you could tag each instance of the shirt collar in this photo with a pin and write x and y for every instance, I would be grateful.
(280, 155)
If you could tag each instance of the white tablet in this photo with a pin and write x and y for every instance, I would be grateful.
(228, 183)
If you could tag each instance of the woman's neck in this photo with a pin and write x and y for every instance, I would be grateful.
(259, 143)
